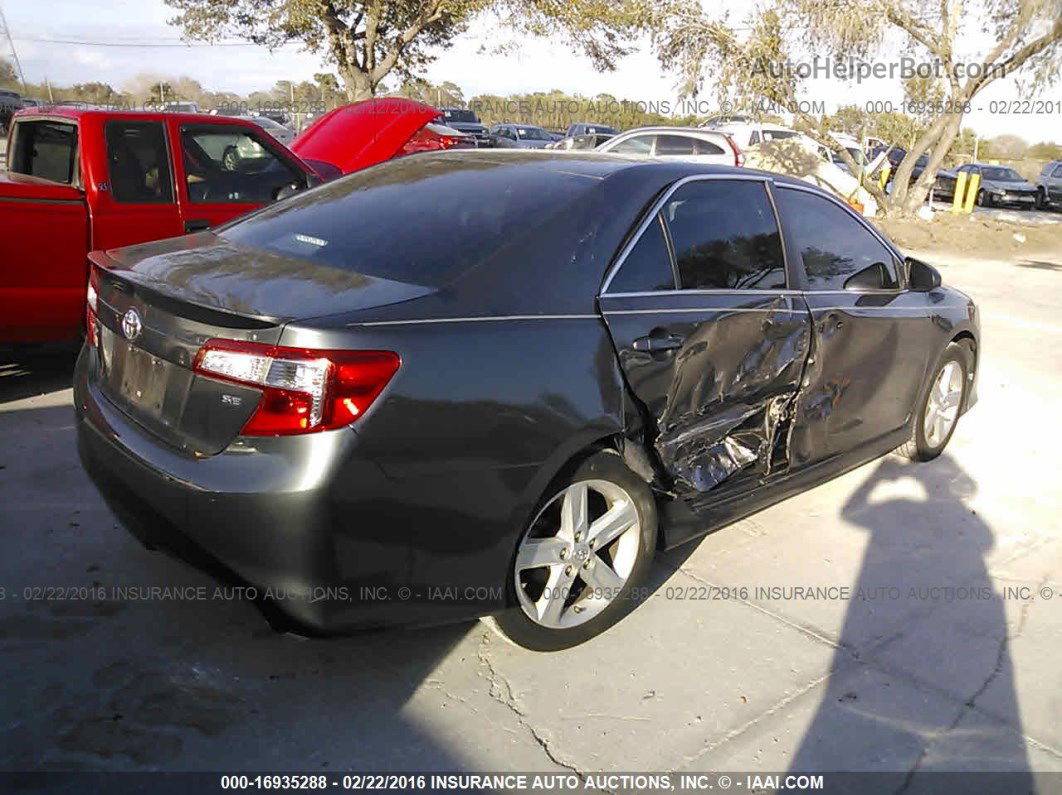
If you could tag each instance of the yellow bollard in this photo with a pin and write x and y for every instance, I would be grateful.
(971, 192)
(960, 192)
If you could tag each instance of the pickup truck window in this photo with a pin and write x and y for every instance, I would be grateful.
(230, 164)
(139, 162)
(45, 149)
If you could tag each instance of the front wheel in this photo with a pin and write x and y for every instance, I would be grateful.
(576, 566)
(938, 412)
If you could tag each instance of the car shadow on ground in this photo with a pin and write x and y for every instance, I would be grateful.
(1040, 264)
(94, 678)
(956, 646)
(26, 372)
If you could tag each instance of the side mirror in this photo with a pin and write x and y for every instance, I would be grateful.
(872, 277)
(284, 191)
(921, 276)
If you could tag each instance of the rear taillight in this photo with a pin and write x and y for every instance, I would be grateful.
(433, 137)
(91, 331)
(739, 156)
(302, 390)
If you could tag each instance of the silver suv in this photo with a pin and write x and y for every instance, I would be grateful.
(1049, 186)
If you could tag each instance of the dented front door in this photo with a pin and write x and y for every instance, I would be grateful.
(712, 343)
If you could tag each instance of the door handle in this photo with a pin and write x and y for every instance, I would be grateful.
(197, 225)
(652, 344)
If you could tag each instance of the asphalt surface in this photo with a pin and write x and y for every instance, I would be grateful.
(913, 676)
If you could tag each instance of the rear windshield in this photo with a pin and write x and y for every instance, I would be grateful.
(423, 219)
(1001, 174)
(457, 114)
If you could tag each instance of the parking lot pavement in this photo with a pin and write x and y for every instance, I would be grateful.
(709, 672)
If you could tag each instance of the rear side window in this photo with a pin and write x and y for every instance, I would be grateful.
(725, 236)
(674, 145)
(45, 149)
(647, 267)
(702, 147)
(138, 162)
(421, 220)
(833, 245)
(1058, 172)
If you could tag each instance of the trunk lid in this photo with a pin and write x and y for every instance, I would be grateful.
(158, 303)
(357, 136)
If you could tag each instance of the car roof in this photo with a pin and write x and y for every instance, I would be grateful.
(674, 129)
(76, 113)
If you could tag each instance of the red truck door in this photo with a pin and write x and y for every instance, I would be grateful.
(44, 228)
(228, 169)
(134, 199)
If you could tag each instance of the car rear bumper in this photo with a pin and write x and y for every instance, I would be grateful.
(305, 520)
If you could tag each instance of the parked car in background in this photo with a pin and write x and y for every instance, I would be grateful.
(589, 128)
(467, 122)
(535, 414)
(676, 143)
(86, 179)
(1049, 186)
(852, 146)
(10, 102)
(279, 131)
(520, 136)
(1000, 185)
(180, 107)
(581, 142)
(749, 133)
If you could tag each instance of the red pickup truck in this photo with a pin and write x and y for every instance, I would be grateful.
(79, 180)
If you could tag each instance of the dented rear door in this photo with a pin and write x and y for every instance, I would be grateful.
(711, 341)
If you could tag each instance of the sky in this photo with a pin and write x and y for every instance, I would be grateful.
(124, 27)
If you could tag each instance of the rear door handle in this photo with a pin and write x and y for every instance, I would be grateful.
(653, 344)
(197, 225)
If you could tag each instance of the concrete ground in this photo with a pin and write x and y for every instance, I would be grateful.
(931, 670)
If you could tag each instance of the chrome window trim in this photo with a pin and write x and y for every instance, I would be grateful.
(658, 205)
(721, 291)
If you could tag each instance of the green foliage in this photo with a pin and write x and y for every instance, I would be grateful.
(368, 40)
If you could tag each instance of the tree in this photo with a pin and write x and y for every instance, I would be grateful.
(8, 75)
(370, 39)
(759, 64)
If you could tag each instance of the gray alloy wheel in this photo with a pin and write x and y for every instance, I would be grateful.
(589, 544)
(938, 412)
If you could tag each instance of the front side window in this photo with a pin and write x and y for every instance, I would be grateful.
(1058, 173)
(636, 145)
(230, 164)
(834, 246)
(647, 267)
(45, 149)
(138, 162)
(725, 236)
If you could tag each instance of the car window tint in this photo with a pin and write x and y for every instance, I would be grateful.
(230, 164)
(138, 162)
(647, 267)
(725, 236)
(463, 215)
(1058, 172)
(702, 147)
(833, 245)
(754, 138)
(45, 149)
(637, 145)
(674, 145)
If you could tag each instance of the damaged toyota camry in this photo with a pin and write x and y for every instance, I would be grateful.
(494, 383)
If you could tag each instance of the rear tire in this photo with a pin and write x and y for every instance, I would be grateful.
(569, 539)
(940, 405)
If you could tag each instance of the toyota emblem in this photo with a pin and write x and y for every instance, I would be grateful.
(131, 324)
